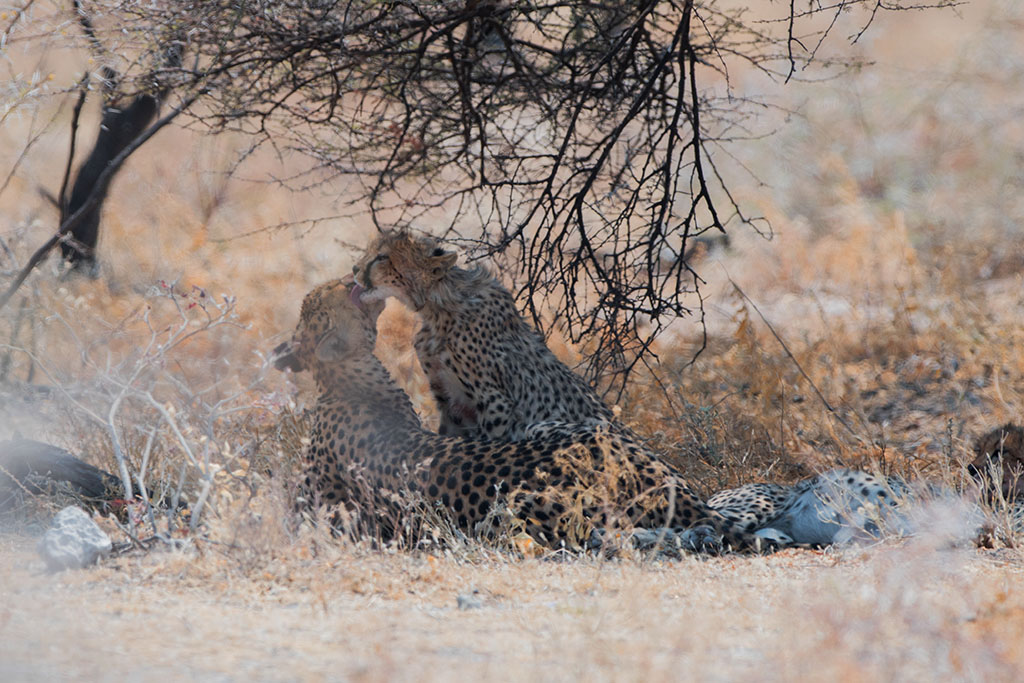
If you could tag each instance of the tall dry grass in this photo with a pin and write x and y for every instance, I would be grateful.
(894, 278)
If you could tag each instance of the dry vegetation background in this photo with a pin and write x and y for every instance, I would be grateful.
(895, 276)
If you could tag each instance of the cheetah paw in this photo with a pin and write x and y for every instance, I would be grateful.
(701, 539)
(770, 538)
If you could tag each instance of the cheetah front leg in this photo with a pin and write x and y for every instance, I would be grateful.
(457, 418)
(497, 418)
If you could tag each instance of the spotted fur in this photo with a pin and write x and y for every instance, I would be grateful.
(832, 507)
(999, 462)
(490, 372)
(367, 438)
(844, 504)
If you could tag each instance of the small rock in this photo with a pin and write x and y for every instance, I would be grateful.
(73, 541)
(469, 601)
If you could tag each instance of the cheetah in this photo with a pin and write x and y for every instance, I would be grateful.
(844, 504)
(367, 447)
(491, 373)
(834, 507)
(999, 463)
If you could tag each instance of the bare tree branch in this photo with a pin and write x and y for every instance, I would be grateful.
(83, 90)
(570, 140)
(100, 187)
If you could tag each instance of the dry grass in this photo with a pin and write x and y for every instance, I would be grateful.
(895, 278)
(898, 613)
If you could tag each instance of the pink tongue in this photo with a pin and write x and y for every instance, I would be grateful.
(355, 293)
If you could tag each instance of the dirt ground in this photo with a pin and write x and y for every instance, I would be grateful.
(910, 610)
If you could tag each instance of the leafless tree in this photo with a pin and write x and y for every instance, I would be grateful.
(578, 143)
(123, 121)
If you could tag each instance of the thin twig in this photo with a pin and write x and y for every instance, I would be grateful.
(83, 90)
(28, 146)
(789, 353)
(140, 478)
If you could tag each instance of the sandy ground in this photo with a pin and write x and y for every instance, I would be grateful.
(908, 610)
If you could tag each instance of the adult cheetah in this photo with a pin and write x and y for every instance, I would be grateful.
(490, 372)
(367, 447)
(999, 462)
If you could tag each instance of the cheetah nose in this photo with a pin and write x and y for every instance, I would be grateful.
(355, 296)
(285, 357)
(355, 275)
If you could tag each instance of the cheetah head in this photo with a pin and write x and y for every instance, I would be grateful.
(999, 462)
(334, 324)
(404, 266)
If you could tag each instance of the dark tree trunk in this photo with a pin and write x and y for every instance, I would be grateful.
(118, 129)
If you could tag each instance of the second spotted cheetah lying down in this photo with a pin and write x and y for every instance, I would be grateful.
(833, 507)
(844, 504)
(367, 447)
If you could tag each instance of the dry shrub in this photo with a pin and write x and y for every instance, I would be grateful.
(915, 362)
(152, 395)
(24, 511)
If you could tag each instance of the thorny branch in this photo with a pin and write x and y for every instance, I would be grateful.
(569, 140)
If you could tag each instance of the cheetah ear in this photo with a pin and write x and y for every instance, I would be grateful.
(442, 260)
(332, 347)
